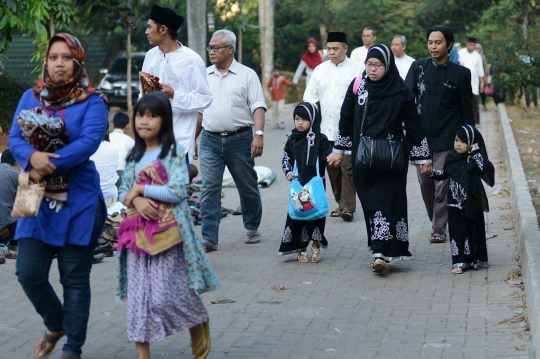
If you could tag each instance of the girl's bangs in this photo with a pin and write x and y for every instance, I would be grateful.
(144, 105)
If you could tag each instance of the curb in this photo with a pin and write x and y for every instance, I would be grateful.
(526, 222)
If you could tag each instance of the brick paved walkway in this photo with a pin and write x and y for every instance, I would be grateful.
(334, 309)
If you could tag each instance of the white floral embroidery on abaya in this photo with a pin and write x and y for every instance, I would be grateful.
(380, 228)
(422, 150)
(286, 163)
(421, 89)
(287, 235)
(458, 193)
(317, 236)
(402, 232)
(454, 248)
(342, 141)
(479, 160)
(467, 249)
(304, 237)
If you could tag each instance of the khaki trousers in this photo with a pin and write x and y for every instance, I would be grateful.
(342, 182)
(277, 112)
(434, 195)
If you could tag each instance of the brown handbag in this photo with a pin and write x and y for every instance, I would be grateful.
(28, 198)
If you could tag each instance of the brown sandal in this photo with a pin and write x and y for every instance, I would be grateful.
(51, 339)
(437, 238)
(335, 213)
(302, 257)
(379, 265)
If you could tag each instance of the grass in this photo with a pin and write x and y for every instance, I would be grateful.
(526, 127)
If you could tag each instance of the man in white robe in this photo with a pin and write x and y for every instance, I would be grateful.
(403, 61)
(181, 72)
(328, 85)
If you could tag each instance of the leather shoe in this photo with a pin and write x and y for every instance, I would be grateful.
(98, 258)
(106, 249)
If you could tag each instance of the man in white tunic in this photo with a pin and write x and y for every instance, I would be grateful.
(472, 60)
(369, 35)
(181, 72)
(403, 61)
(328, 86)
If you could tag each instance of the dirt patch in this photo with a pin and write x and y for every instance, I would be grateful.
(526, 127)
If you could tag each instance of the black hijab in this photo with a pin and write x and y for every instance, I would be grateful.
(391, 83)
(463, 169)
(306, 143)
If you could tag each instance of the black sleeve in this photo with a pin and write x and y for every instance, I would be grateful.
(325, 148)
(287, 162)
(439, 175)
(345, 132)
(419, 150)
(484, 167)
(465, 97)
(410, 80)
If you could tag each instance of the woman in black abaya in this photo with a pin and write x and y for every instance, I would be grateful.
(382, 193)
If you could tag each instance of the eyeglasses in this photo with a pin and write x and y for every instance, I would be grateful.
(378, 65)
(215, 48)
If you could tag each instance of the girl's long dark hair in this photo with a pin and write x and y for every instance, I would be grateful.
(158, 105)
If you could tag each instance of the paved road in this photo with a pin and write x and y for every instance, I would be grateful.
(334, 309)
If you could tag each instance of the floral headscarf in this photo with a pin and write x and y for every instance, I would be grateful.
(74, 90)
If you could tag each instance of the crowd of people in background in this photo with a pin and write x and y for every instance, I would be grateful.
(430, 107)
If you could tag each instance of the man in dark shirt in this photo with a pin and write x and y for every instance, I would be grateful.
(9, 177)
(443, 98)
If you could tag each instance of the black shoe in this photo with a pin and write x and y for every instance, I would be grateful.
(106, 249)
(102, 241)
(98, 258)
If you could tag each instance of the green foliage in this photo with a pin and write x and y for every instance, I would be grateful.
(11, 91)
(511, 36)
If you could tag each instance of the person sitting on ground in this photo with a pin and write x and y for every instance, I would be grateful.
(120, 141)
(9, 177)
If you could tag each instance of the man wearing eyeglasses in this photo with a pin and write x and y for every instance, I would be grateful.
(181, 72)
(232, 135)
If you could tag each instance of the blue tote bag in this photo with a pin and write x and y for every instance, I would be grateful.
(308, 202)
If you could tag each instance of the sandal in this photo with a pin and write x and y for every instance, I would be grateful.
(437, 238)
(51, 339)
(209, 246)
(204, 336)
(457, 270)
(302, 257)
(347, 215)
(379, 265)
(335, 213)
(315, 254)
(250, 235)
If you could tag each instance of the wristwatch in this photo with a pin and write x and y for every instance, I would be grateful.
(259, 133)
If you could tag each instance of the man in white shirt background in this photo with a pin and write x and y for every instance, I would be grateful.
(328, 85)
(181, 72)
(106, 161)
(119, 140)
(403, 61)
(369, 35)
(232, 136)
(472, 60)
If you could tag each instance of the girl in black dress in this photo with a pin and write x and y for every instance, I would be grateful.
(305, 146)
(465, 165)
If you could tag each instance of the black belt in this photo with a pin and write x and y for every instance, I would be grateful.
(230, 133)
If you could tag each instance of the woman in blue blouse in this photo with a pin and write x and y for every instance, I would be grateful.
(69, 229)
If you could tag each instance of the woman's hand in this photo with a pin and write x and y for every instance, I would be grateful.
(146, 208)
(40, 161)
(290, 176)
(426, 169)
(334, 159)
(136, 191)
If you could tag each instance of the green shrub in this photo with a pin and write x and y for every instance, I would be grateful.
(294, 94)
(11, 91)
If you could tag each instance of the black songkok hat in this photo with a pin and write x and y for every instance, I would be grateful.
(337, 37)
(165, 16)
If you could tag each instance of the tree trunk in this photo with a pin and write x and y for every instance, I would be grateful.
(196, 22)
(266, 35)
(324, 35)
(52, 27)
(240, 47)
(128, 78)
